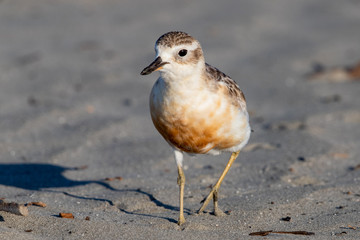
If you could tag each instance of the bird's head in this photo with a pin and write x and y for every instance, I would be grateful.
(177, 54)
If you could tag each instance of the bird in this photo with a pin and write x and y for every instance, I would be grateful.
(196, 108)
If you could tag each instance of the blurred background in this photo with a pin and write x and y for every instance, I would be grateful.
(71, 94)
(70, 67)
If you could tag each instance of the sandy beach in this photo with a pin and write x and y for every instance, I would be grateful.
(76, 133)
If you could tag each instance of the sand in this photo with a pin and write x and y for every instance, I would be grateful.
(74, 116)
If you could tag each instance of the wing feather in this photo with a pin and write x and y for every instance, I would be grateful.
(237, 96)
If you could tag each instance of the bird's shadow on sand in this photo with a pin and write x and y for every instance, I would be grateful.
(48, 177)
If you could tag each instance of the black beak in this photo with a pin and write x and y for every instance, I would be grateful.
(154, 66)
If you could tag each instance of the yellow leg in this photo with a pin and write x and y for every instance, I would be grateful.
(181, 183)
(214, 191)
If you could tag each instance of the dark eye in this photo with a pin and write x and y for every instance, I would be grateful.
(182, 52)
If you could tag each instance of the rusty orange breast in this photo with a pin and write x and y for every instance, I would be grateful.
(192, 130)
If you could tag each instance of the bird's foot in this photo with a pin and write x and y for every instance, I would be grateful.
(181, 220)
(218, 212)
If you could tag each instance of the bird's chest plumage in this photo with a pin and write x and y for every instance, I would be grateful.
(194, 118)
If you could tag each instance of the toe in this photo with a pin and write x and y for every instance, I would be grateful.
(219, 213)
(181, 221)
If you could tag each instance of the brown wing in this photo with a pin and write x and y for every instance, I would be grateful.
(237, 96)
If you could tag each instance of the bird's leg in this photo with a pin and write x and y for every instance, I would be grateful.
(181, 183)
(214, 191)
(217, 211)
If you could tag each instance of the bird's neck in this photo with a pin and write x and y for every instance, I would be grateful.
(186, 78)
(191, 82)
